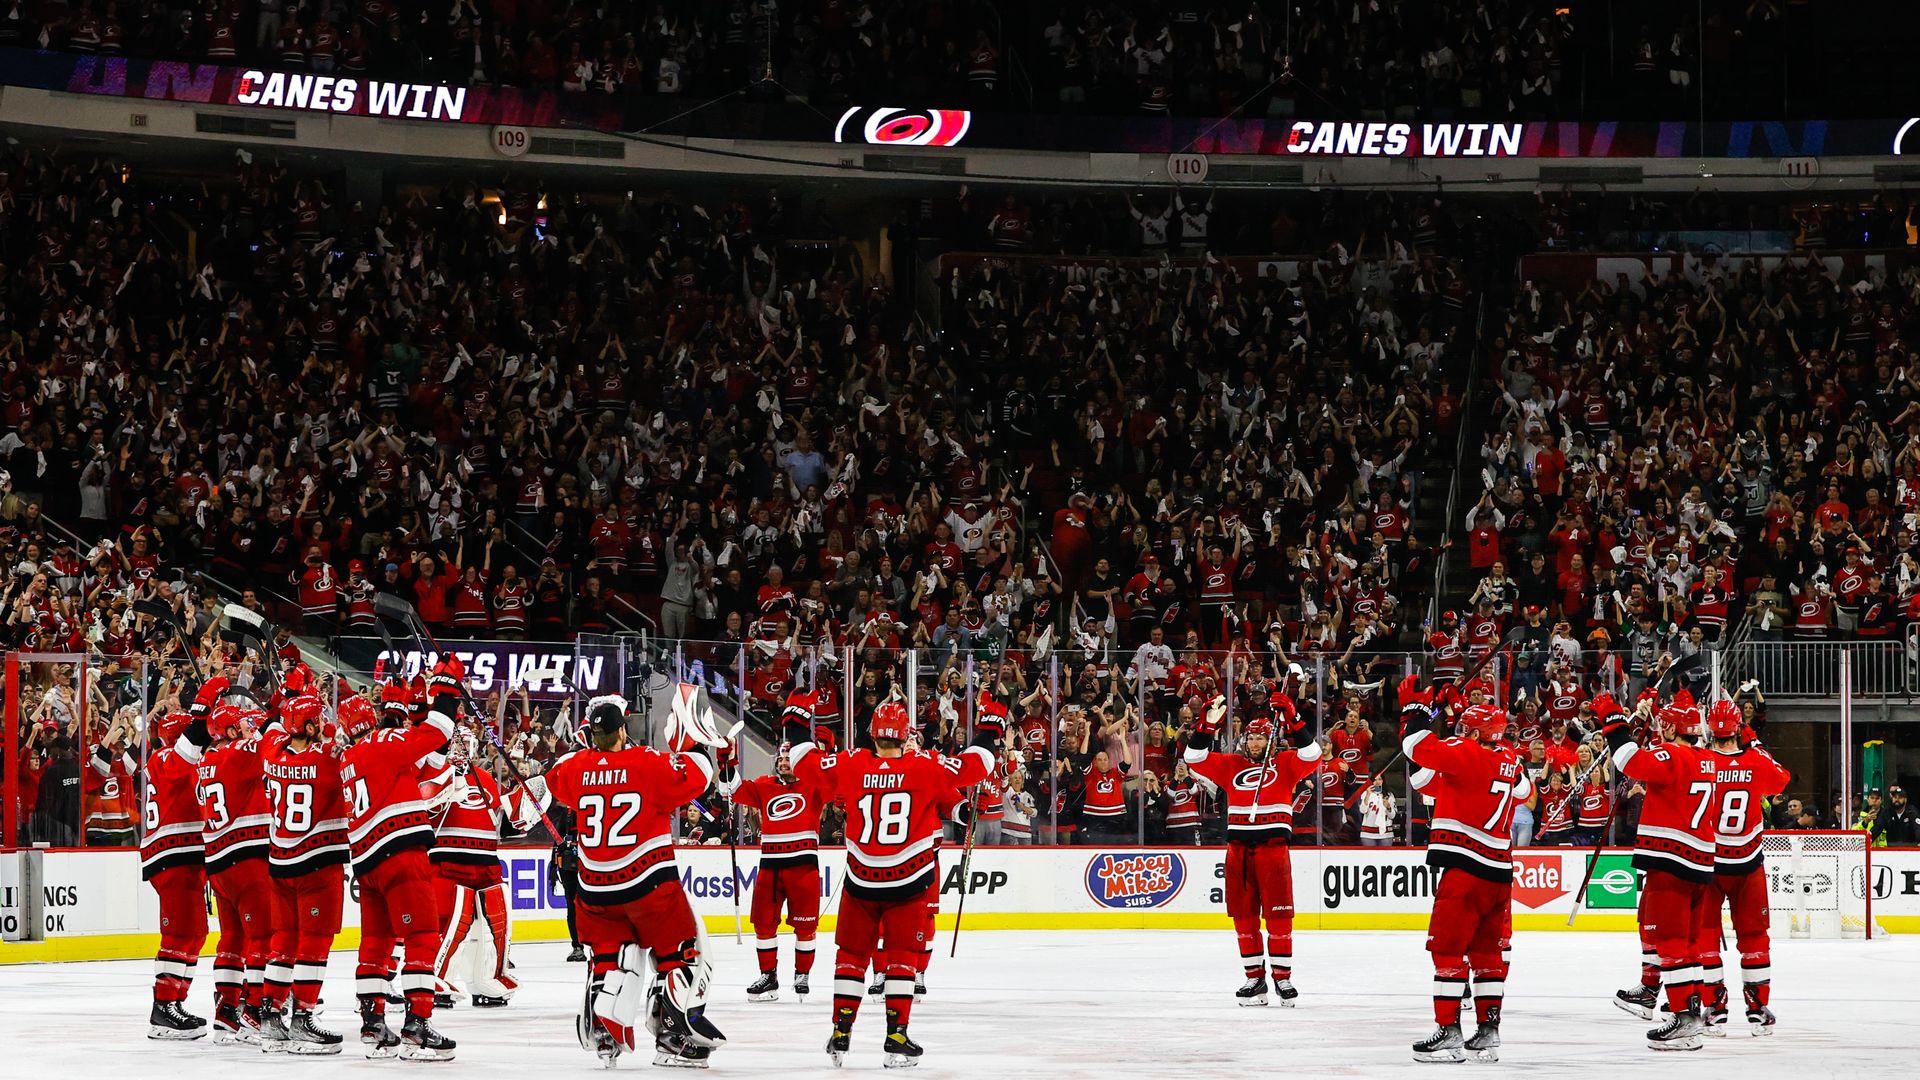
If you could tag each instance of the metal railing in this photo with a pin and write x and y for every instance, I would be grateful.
(1881, 668)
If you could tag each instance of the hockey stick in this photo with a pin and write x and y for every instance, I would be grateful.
(242, 624)
(1593, 857)
(389, 606)
(1433, 711)
(966, 866)
(162, 612)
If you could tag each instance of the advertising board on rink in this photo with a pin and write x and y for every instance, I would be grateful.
(93, 905)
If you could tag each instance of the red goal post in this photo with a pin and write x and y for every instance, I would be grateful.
(1820, 884)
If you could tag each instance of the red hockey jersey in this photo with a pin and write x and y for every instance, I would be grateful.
(894, 810)
(1474, 789)
(467, 830)
(789, 820)
(1259, 798)
(1743, 781)
(381, 777)
(625, 801)
(235, 813)
(172, 836)
(309, 828)
(1676, 821)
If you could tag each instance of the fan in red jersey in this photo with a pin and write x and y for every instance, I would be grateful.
(1259, 786)
(223, 742)
(789, 876)
(894, 802)
(390, 830)
(1745, 778)
(1675, 847)
(630, 901)
(173, 861)
(1475, 780)
(307, 858)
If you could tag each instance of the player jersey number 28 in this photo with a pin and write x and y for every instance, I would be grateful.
(292, 805)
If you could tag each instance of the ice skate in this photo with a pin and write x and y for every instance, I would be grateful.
(578, 955)
(1443, 1047)
(230, 1028)
(1484, 1046)
(800, 988)
(303, 1037)
(1682, 1031)
(169, 1021)
(764, 988)
(841, 1040)
(1252, 992)
(272, 1034)
(378, 1039)
(1760, 1021)
(420, 1042)
(1641, 1001)
(487, 1001)
(902, 1052)
(1289, 997)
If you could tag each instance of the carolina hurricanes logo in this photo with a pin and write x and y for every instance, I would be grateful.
(1566, 703)
(474, 798)
(782, 807)
(906, 127)
(1252, 779)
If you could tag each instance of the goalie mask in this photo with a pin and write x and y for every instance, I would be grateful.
(690, 721)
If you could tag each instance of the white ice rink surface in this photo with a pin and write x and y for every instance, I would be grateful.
(1077, 1004)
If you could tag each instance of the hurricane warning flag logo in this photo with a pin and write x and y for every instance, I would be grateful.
(1146, 879)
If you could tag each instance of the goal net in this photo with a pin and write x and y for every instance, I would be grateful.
(1820, 884)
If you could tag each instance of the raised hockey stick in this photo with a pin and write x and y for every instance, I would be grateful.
(389, 606)
(1593, 856)
(162, 612)
(1433, 711)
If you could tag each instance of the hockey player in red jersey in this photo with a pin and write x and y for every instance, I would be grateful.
(1475, 780)
(893, 801)
(173, 861)
(475, 928)
(789, 876)
(390, 831)
(306, 860)
(1745, 778)
(223, 741)
(1259, 786)
(630, 899)
(1675, 848)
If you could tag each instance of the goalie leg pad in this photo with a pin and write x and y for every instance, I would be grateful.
(621, 1003)
(680, 1000)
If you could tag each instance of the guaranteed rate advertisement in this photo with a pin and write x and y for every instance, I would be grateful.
(911, 125)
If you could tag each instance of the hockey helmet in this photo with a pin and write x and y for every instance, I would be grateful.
(301, 713)
(167, 729)
(1486, 721)
(890, 722)
(357, 716)
(1258, 727)
(1723, 719)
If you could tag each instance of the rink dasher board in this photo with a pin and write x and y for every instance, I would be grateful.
(96, 907)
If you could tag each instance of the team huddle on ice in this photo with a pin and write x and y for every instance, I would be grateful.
(268, 805)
